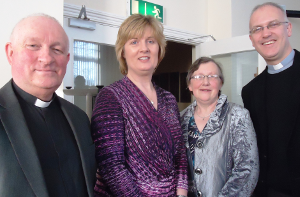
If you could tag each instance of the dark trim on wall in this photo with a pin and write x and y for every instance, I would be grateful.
(293, 13)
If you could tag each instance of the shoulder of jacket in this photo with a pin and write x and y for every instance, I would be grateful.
(236, 109)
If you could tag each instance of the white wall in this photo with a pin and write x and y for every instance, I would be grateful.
(13, 11)
(117, 7)
(219, 18)
(225, 46)
(188, 15)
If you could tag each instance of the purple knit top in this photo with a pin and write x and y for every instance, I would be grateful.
(139, 150)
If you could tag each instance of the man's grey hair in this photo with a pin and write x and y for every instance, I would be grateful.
(12, 35)
(269, 4)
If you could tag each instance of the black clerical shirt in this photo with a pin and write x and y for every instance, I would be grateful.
(56, 146)
(279, 90)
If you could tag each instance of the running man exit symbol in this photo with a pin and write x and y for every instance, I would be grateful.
(156, 11)
(147, 8)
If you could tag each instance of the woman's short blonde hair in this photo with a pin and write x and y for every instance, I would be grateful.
(134, 26)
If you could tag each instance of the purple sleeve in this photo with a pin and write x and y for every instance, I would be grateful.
(108, 134)
(181, 164)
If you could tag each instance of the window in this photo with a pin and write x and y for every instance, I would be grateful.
(238, 70)
(94, 64)
(87, 69)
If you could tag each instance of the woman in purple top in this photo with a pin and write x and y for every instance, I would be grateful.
(135, 124)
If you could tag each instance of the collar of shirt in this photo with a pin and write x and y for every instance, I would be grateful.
(42, 104)
(285, 64)
(32, 99)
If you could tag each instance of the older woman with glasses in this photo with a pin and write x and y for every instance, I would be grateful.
(219, 135)
(139, 144)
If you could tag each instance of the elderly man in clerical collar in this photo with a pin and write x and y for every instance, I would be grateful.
(45, 144)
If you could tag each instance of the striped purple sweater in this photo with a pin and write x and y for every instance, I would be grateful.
(139, 150)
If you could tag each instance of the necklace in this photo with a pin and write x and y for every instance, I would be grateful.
(201, 116)
(151, 102)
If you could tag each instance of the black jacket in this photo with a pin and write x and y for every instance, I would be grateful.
(254, 98)
(20, 170)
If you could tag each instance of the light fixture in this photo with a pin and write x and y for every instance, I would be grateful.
(84, 23)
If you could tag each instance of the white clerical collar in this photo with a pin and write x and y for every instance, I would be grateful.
(42, 104)
(285, 64)
(278, 66)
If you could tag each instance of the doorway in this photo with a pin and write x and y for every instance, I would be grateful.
(171, 72)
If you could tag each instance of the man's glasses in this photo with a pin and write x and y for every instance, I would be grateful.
(271, 25)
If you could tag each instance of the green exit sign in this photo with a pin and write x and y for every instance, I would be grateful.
(147, 8)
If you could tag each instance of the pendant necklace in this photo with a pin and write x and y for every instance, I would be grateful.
(201, 116)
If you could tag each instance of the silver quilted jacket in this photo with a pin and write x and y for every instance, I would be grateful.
(228, 158)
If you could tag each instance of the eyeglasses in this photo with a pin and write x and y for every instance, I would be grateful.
(209, 77)
(271, 25)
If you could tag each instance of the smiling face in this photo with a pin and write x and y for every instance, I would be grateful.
(206, 91)
(141, 54)
(272, 44)
(38, 55)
